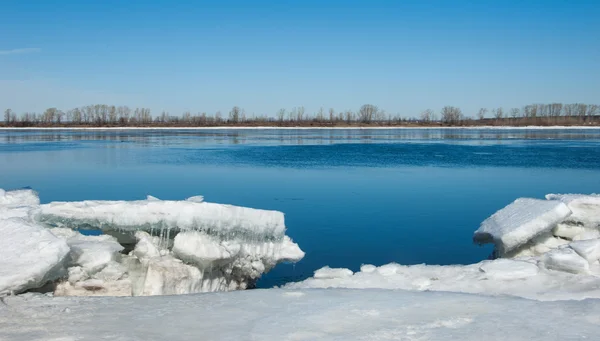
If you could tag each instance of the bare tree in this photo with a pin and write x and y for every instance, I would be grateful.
(367, 112)
(451, 115)
(515, 112)
(234, 114)
(498, 113)
(427, 115)
(300, 113)
(481, 113)
(112, 114)
(331, 115)
(321, 115)
(7, 116)
(281, 114)
(349, 116)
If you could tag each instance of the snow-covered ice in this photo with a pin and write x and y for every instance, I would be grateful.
(519, 222)
(165, 216)
(30, 256)
(274, 314)
(196, 246)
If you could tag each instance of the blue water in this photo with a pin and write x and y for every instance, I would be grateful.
(350, 196)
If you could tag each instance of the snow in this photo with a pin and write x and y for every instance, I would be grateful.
(30, 256)
(274, 314)
(519, 222)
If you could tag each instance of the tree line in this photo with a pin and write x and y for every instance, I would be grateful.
(101, 115)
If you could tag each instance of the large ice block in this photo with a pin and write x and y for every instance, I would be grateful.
(519, 222)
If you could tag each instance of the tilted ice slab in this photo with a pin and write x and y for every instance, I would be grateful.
(273, 314)
(166, 216)
(519, 222)
(30, 256)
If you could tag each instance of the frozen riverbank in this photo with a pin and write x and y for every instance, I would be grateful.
(273, 314)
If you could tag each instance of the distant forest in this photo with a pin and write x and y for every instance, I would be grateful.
(101, 115)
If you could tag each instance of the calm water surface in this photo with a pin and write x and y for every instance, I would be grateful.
(350, 196)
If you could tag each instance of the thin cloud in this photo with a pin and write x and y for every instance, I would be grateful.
(20, 51)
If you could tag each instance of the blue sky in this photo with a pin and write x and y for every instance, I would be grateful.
(404, 56)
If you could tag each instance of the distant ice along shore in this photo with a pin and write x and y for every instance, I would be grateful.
(545, 250)
(312, 128)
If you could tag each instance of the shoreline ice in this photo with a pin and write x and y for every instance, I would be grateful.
(173, 247)
(548, 250)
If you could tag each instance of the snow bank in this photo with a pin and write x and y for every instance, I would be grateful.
(519, 222)
(299, 315)
(30, 256)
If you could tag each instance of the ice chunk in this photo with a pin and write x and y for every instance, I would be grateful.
(591, 234)
(566, 259)
(571, 230)
(327, 272)
(93, 254)
(509, 269)
(588, 249)
(196, 198)
(148, 215)
(204, 250)
(20, 197)
(94, 287)
(239, 262)
(537, 246)
(30, 256)
(519, 222)
(18, 203)
(147, 246)
(585, 208)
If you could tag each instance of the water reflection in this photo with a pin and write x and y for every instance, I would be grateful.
(176, 137)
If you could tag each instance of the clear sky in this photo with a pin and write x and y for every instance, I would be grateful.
(404, 56)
